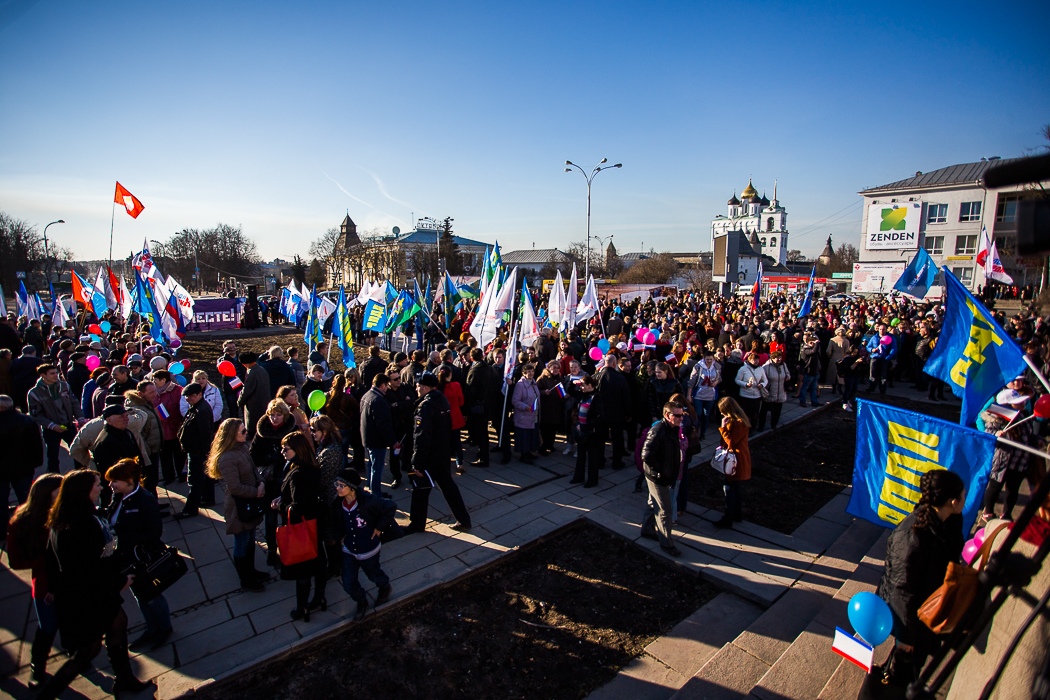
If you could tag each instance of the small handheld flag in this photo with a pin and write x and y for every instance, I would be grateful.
(235, 383)
(163, 411)
(848, 646)
(561, 391)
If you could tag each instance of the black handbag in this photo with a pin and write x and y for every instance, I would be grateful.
(156, 571)
(249, 509)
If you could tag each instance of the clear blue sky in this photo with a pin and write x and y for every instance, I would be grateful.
(282, 116)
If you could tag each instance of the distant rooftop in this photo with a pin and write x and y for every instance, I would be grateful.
(533, 256)
(429, 237)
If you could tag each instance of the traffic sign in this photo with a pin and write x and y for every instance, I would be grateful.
(20, 275)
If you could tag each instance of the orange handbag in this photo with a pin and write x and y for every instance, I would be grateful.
(297, 542)
(943, 610)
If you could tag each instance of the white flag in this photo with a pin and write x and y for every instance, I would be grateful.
(556, 301)
(510, 360)
(362, 296)
(588, 306)
(490, 313)
(530, 328)
(988, 256)
(569, 315)
(102, 287)
(125, 307)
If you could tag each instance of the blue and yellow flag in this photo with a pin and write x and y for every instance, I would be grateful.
(342, 327)
(313, 334)
(142, 303)
(973, 355)
(450, 298)
(375, 317)
(896, 447)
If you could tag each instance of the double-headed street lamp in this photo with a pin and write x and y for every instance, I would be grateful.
(589, 178)
(47, 271)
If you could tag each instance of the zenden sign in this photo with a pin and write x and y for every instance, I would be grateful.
(893, 226)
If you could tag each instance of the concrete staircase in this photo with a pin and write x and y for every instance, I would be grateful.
(785, 653)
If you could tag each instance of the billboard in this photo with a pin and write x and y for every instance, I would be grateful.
(876, 278)
(893, 226)
(216, 314)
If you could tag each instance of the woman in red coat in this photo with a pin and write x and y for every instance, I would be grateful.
(733, 437)
(454, 393)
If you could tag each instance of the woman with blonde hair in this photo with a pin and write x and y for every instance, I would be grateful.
(733, 437)
(266, 455)
(230, 461)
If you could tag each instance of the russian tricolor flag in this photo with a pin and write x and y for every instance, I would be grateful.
(561, 390)
(236, 383)
(163, 411)
(855, 650)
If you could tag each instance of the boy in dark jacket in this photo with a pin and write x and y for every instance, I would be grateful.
(662, 462)
(358, 521)
(195, 436)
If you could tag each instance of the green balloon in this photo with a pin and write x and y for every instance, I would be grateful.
(316, 400)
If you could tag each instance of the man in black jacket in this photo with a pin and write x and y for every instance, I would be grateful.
(410, 373)
(402, 405)
(478, 379)
(229, 354)
(23, 453)
(195, 436)
(616, 397)
(23, 375)
(377, 430)
(374, 366)
(661, 462)
(115, 443)
(432, 451)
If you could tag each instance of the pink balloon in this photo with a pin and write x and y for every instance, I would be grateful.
(92, 362)
(640, 333)
(979, 536)
(649, 338)
(595, 354)
(175, 342)
(970, 551)
(886, 340)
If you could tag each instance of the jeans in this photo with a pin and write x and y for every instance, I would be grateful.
(376, 462)
(849, 390)
(703, 412)
(156, 614)
(603, 432)
(809, 386)
(45, 616)
(658, 514)
(732, 492)
(1012, 480)
(351, 565)
(52, 440)
(880, 370)
(241, 542)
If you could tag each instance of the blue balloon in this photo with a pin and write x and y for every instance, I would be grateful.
(617, 310)
(176, 368)
(105, 326)
(871, 618)
(181, 379)
(603, 345)
(95, 338)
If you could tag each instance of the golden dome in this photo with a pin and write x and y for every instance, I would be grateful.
(749, 192)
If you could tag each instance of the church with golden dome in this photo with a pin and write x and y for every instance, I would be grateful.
(762, 222)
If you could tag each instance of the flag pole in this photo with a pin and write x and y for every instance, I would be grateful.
(1031, 365)
(112, 218)
(511, 340)
(1022, 447)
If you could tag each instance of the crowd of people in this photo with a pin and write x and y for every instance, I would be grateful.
(133, 422)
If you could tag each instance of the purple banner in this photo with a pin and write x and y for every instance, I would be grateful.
(215, 314)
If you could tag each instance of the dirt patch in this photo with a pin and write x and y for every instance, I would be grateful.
(796, 471)
(202, 350)
(556, 620)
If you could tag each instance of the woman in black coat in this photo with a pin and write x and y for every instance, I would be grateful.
(917, 556)
(85, 576)
(135, 518)
(265, 451)
(301, 499)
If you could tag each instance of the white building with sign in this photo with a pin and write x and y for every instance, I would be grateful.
(753, 229)
(942, 211)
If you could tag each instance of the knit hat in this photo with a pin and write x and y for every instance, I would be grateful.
(158, 362)
(427, 379)
(350, 477)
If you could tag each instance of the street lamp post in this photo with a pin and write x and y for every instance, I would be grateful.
(589, 178)
(47, 271)
(601, 243)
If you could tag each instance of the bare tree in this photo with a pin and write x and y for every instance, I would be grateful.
(795, 256)
(656, 269)
(223, 249)
(699, 279)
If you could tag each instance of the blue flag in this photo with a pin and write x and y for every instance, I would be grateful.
(807, 303)
(421, 319)
(896, 447)
(375, 317)
(973, 355)
(313, 334)
(918, 276)
(142, 304)
(342, 330)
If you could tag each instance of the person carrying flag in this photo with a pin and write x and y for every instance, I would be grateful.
(882, 348)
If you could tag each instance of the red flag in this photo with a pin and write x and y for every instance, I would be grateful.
(81, 290)
(114, 284)
(129, 201)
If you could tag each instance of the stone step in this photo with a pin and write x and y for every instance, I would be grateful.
(825, 676)
(671, 659)
(764, 660)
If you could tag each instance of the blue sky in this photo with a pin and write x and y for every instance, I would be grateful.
(282, 116)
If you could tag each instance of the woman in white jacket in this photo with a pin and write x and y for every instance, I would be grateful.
(752, 380)
(775, 394)
(703, 388)
(211, 394)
